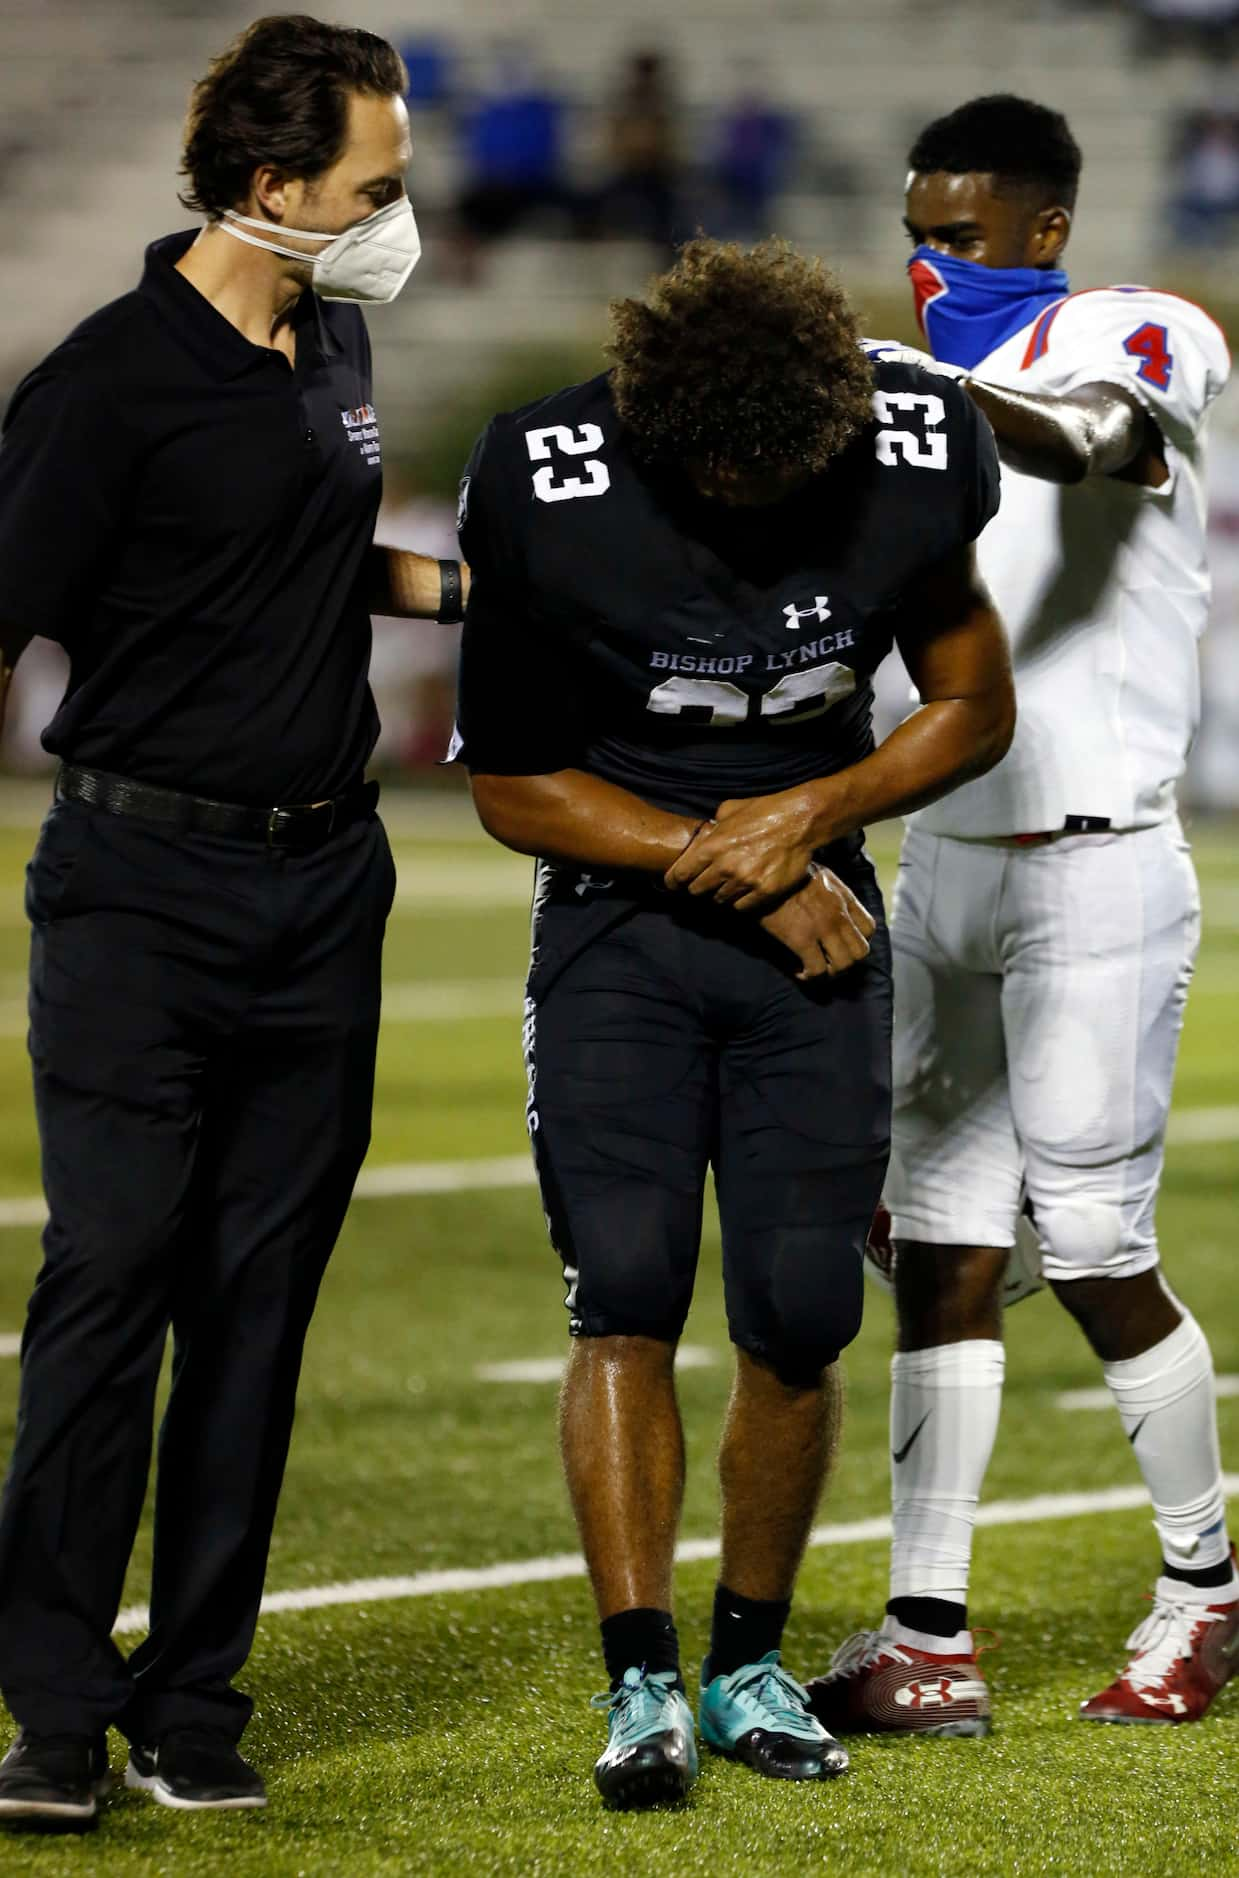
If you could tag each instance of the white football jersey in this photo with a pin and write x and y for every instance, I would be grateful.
(1103, 585)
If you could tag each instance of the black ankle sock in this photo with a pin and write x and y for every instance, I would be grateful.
(938, 1617)
(640, 1639)
(744, 1630)
(1207, 1578)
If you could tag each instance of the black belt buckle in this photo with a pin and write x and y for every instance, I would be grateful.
(311, 821)
(1086, 824)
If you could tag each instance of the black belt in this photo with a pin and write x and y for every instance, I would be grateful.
(301, 826)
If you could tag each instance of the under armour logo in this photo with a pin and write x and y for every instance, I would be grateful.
(1174, 1702)
(924, 1694)
(942, 1692)
(588, 884)
(820, 610)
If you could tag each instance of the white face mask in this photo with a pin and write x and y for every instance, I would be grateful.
(369, 261)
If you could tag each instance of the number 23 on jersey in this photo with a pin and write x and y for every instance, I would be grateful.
(910, 432)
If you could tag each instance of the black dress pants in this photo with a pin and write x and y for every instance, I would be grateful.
(203, 1020)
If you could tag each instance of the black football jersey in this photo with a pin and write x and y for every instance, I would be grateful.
(621, 624)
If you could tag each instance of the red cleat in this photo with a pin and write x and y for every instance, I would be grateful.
(876, 1683)
(1184, 1653)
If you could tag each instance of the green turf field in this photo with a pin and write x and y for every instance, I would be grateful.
(451, 1733)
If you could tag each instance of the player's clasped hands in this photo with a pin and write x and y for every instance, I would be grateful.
(754, 851)
(755, 857)
(823, 923)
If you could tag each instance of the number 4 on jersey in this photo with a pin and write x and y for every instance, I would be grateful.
(1151, 344)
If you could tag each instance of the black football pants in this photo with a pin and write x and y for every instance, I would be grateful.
(203, 1019)
(665, 1036)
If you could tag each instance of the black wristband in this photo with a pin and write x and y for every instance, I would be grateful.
(451, 594)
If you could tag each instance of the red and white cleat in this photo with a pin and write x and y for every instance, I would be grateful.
(1184, 1652)
(878, 1681)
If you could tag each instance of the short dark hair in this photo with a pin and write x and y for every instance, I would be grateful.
(739, 354)
(1018, 142)
(279, 95)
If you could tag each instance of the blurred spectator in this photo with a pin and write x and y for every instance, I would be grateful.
(1210, 27)
(1206, 170)
(752, 158)
(641, 194)
(430, 74)
(513, 156)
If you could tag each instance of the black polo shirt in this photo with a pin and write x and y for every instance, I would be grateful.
(189, 515)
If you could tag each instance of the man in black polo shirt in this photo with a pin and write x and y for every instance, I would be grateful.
(188, 490)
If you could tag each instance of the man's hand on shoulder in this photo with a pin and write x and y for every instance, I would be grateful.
(890, 352)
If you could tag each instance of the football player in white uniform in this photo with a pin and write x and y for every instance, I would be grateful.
(1045, 926)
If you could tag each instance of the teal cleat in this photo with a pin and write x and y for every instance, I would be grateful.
(760, 1715)
(651, 1753)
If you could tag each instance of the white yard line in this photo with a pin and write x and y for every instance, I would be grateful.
(1190, 1127)
(551, 1368)
(396, 1180)
(31, 1212)
(10, 1343)
(408, 1001)
(465, 881)
(439, 1001)
(417, 1177)
(1102, 1399)
(541, 1571)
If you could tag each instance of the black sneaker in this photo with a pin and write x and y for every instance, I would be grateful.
(53, 1781)
(195, 1769)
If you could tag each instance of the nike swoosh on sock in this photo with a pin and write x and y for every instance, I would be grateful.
(901, 1454)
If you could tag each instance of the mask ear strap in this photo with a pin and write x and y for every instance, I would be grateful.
(230, 218)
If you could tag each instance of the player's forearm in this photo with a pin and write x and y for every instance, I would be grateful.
(1065, 439)
(944, 744)
(572, 816)
(404, 585)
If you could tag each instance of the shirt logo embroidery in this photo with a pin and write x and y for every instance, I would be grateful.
(820, 610)
(362, 428)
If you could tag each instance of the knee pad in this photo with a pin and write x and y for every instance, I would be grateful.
(812, 1310)
(630, 1283)
(1082, 1238)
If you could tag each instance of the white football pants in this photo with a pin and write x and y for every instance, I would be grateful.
(1039, 996)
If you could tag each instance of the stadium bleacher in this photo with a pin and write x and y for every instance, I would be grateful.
(92, 111)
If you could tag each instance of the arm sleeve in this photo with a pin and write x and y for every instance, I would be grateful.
(1166, 351)
(517, 712)
(979, 471)
(67, 466)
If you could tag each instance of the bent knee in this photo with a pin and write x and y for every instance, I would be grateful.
(945, 1293)
(812, 1308)
(1084, 1238)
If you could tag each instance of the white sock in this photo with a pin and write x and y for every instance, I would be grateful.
(1165, 1399)
(944, 1417)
